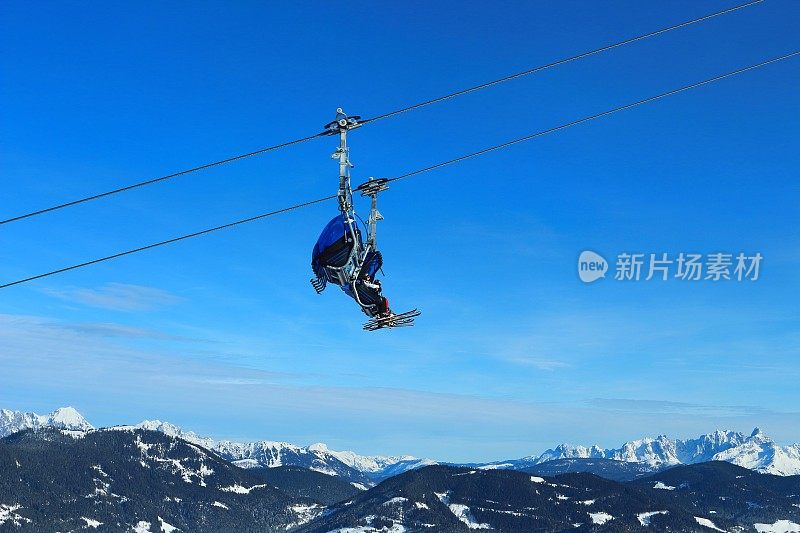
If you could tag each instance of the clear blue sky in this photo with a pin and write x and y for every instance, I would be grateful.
(224, 335)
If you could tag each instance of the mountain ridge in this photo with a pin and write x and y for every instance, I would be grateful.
(61, 418)
(756, 452)
(125, 478)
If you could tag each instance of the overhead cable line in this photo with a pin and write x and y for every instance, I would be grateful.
(590, 118)
(381, 117)
(170, 241)
(162, 178)
(415, 172)
(560, 62)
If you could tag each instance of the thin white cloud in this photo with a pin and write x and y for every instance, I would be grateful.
(44, 360)
(116, 296)
(537, 362)
(119, 330)
(628, 405)
(48, 349)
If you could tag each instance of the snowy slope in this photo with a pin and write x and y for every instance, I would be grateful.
(117, 479)
(456, 499)
(362, 469)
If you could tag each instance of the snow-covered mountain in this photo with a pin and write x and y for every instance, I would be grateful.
(62, 418)
(760, 453)
(702, 498)
(756, 451)
(362, 470)
(129, 479)
(174, 431)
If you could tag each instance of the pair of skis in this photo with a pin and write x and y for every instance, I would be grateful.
(398, 320)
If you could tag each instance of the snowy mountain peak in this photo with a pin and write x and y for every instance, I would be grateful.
(757, 452)
(68, 418)
(62, 418)
(569, 451)
(174, 431)
(758, 436)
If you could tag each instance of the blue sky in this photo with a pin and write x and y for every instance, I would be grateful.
(224, 335)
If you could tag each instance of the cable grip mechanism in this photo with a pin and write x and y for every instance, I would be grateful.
(342, 123)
